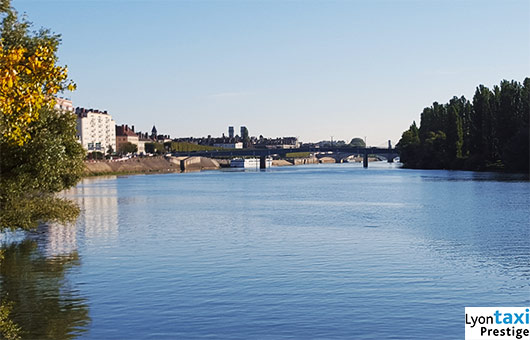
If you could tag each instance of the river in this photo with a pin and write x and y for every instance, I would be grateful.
(309, 252)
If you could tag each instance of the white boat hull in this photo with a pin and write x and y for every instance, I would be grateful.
(249, 163)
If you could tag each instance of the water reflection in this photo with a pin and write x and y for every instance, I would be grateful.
(45, 305)
(98, 200)
(469, 176)
(55, 239)
(35, 271)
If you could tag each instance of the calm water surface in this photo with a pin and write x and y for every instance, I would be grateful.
(310, 252)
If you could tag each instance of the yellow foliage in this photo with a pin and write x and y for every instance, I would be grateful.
(28, 82)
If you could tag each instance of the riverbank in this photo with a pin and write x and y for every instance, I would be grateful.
(144, 165)
(160, 164)
(149, 165)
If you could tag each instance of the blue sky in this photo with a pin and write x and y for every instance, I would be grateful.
(311, 69)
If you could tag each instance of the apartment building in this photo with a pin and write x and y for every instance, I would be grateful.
(96, 130)
(63, 104)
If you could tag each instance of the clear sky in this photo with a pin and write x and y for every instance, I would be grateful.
(312, 69)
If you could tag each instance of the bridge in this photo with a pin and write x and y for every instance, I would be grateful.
(389, 153)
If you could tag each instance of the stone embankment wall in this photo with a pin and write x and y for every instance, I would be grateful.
(150, 165)
(304, 160)
(295, 161)
(133, 165)
(280, 162)
(195, 163)
(327, 160)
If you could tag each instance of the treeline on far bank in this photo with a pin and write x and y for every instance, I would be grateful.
(491, 132)
(161, 148)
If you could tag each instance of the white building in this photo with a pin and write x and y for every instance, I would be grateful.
(63, 104)
(96, 130)
(141, 145)
(236, 145)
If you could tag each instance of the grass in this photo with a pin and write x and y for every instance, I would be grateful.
(297, 155)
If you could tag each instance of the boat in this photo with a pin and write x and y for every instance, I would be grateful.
(249, 163)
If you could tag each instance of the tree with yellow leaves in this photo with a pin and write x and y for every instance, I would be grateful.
(29, 76)
(39, 152)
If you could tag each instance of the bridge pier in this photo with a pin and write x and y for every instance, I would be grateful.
(365, 158)
(389, 157)
(263, 162)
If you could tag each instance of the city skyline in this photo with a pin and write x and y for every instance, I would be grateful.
(311, 70)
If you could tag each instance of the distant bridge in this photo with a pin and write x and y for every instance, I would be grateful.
(344, 151)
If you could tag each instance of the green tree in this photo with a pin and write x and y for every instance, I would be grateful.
(466, 114)
(435, 152)
(149, 147)
(95, 155)
(358, 142)
(514, 132)
(127, 148)
(155, 147)
(49, 162)
(9, 330)
(482, 125)
(409, 146)
(509, 111)
(492, 132)
(433, 119)
(455, 135)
